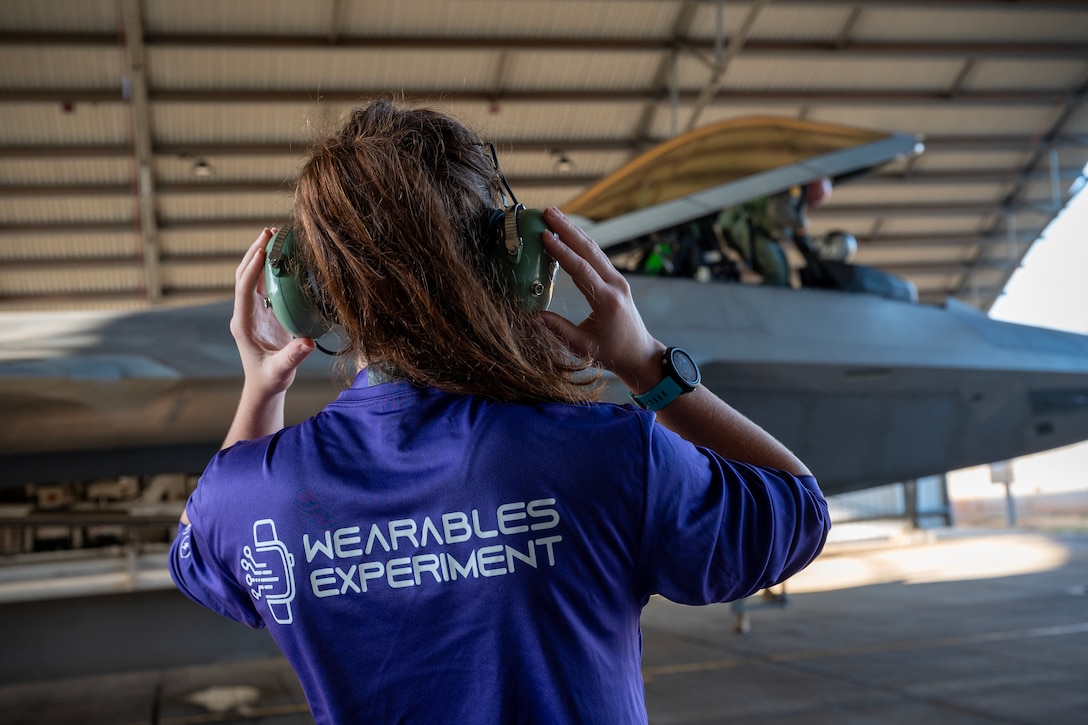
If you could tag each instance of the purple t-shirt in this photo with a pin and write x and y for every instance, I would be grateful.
(426, 557)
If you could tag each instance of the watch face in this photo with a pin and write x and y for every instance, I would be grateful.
(685, 367)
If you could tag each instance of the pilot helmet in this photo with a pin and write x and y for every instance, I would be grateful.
(817, 192)
(837, 246)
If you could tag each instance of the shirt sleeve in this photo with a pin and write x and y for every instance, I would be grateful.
(200, 575)
(716, 530)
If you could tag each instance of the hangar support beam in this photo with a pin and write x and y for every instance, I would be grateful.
(141, 138)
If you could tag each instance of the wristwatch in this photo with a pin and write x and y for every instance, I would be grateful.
(681, 376)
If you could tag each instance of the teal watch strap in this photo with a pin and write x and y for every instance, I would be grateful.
(681, 376)
(660, 395)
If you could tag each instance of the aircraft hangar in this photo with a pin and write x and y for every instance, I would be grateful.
(145, 143)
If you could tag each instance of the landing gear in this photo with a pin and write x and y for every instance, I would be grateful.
(769, 597)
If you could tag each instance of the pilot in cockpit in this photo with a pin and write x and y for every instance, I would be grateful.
(755, 229)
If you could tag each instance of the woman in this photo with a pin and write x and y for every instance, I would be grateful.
(462, 536)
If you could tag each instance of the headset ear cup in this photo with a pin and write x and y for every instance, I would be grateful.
(519, 249)
(291, 289)
(540, 268)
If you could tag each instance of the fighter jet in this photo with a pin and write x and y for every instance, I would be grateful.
(868, 388)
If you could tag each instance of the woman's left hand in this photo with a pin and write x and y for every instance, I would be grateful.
(613, 334)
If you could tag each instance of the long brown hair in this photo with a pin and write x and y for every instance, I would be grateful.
(392, 209)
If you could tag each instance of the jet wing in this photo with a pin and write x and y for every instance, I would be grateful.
(88, 395)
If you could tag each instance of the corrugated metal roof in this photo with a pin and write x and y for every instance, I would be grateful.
(823, 74)
(223, 205)
(240, 87)
(981, 193)
(88, 208)
(985, 23)
(543, 70)
(996, 161)
(26, 67)
(518, 121)
(320, 70)
(183, 275)
(226, 168)
(47, 172)
(1037, 74)
(786, 22)
(937, 120)
(61, 16)
(59, 246)
(520, 19)
(241, 18)
(199, 241)
(63, 122)
(121, 277)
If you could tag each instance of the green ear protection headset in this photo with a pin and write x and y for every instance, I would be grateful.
(292, 290)
(513, 235)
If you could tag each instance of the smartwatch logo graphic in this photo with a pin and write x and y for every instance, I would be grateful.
(269, 569)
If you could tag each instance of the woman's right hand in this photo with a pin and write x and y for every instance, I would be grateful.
(270, 356)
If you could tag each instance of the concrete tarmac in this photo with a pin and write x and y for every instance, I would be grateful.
(961, 628)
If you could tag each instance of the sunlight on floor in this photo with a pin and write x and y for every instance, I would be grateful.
(954, 559)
